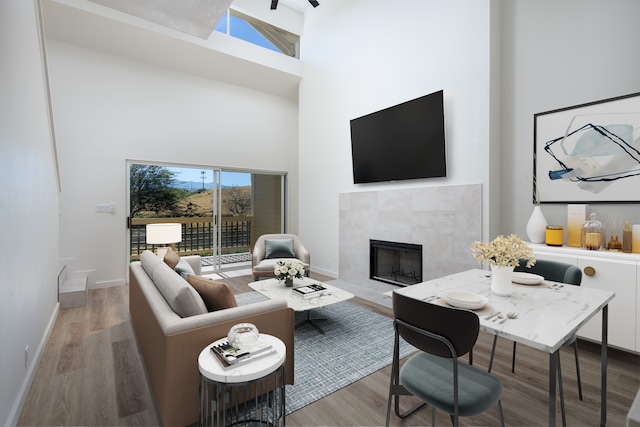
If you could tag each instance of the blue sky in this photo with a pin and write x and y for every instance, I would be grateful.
(228, 178)
(244, 31)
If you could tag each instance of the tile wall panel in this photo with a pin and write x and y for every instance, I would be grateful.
(445, 220)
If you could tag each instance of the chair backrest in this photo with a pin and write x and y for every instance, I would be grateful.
(298, 248)
(554, 271)
(459, 327)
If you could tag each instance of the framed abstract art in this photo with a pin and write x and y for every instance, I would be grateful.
(588, 153)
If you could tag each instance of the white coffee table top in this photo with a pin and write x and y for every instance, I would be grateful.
(273, 289)
(211, 368)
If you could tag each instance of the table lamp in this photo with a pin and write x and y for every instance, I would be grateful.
(163, 234)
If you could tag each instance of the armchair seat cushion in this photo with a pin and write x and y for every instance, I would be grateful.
(266, 266)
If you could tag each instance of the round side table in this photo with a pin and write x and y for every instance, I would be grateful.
(250, 393)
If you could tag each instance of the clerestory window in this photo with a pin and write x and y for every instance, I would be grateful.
(259, 33)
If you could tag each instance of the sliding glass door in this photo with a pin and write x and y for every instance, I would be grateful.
(221, 212)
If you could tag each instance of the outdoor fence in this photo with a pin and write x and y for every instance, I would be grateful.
(197, 235)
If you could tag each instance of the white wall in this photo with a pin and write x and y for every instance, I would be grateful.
(109, 109)
(28, 207)
(364, 55)
(559, 54)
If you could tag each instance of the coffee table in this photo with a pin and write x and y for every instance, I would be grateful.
(274, 289)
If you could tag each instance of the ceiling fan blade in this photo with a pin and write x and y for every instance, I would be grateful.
(314, 3)
(274, 4)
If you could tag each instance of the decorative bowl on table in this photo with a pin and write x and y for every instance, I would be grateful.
(243, 335)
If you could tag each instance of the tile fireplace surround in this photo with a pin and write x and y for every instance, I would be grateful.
(445, 220)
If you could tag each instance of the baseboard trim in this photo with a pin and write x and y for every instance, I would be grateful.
(107, 284)
(16, 410)
(324, 272)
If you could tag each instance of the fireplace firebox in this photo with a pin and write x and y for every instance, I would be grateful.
(395, 263)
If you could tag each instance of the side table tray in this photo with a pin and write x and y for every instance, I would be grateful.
(251, 393)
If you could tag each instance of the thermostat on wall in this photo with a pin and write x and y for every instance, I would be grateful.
(105, 208)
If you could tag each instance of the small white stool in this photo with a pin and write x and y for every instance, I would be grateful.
(251, 393)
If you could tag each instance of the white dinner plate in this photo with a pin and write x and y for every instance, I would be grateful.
(463, 299)
(526, 278)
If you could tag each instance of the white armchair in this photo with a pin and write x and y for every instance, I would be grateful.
(270, 248)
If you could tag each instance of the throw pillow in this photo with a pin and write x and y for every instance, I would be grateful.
(183, 299)
(216, 295)
(279, 248)
(183, 268)
(171, 258)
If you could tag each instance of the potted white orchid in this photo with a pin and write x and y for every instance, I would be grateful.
(286, 271)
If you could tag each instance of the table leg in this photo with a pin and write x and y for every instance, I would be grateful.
(603, 386)
(312, 321)
(553, 370)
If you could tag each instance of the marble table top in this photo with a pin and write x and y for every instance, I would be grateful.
(547, 315)
(210, 367)
(273, 289)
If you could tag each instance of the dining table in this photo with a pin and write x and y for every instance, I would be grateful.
(548, 314)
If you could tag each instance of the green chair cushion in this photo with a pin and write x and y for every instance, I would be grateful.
(430, 378)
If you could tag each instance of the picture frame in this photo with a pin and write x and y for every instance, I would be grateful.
(588, 153)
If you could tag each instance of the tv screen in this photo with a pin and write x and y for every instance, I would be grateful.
(405, 141)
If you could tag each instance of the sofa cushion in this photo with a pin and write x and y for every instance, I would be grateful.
(216, 295)
(183, 268)
(149, 260)
(171, 258)
(181, 296)
(279, 248)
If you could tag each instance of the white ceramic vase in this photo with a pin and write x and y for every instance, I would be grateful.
(537, 226)
(501, 280)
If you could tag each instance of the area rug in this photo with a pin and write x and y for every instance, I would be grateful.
(356, 343)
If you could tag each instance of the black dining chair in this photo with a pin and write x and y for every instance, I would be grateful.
(435, 375)
(556, 272)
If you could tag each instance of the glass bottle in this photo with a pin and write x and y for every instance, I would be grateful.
(614, 244)
(592, 238)
(626, 238)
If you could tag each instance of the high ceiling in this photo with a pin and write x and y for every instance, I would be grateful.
(89, 23)
(197, 18)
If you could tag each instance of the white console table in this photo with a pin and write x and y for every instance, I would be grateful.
(613, 271)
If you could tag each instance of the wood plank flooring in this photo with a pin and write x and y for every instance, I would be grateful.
(91, 374)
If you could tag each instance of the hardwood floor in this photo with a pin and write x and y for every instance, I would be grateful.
(91, 374)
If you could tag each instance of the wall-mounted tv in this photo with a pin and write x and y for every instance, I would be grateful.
(405, 141)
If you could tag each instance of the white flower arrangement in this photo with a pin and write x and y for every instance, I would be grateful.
(288, 270)
(503, 251)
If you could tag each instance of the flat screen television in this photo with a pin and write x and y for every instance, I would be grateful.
(405, 141)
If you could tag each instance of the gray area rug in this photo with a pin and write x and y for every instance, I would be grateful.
(356, 343)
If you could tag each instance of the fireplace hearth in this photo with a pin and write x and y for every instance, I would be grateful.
(395, 263)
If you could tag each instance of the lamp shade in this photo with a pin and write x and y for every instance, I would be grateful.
(161, 234)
